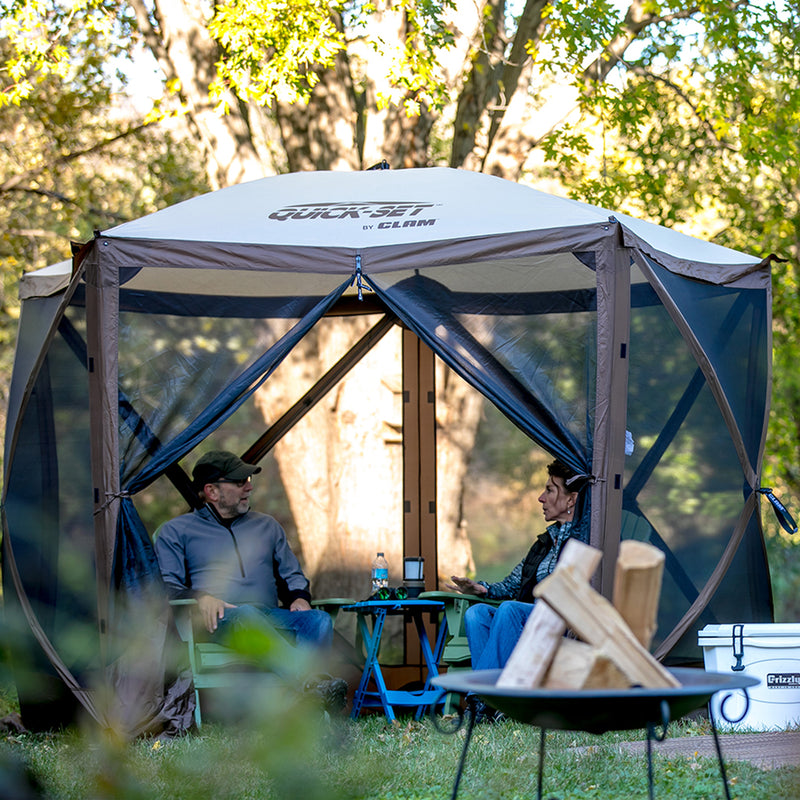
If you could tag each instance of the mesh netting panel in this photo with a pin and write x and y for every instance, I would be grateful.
(49, 515)
(684, 482)
(171, 367)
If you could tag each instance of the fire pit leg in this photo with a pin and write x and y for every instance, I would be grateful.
(723, 773)
(541, 764)
(653, 735)
(472, 712)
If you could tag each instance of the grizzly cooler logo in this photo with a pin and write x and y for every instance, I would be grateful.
(783, 680)
(371, 215)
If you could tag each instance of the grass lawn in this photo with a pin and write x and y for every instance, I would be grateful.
(299, 756)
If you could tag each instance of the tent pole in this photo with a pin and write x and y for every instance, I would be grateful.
(613, 334)
(102, 307)
(290, 418)
(419, 468)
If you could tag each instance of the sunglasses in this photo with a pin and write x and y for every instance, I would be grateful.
(240, 484)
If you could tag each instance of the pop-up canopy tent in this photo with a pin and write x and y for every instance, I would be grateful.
(638, 355)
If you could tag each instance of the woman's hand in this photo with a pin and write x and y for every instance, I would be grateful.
(467, 586)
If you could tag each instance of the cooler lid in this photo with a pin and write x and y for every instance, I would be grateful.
(749, 630)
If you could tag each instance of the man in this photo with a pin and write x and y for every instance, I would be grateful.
(493, 631)
(237, 562)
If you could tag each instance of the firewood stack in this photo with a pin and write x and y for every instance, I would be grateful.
(611, 651)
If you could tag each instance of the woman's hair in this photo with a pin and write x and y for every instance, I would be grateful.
(573, 481)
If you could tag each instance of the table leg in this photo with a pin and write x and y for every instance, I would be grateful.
(372, 668)
(431, 657)
(440, 640)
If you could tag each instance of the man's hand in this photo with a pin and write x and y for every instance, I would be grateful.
(300, 604)
(467, 586)
(212, 610)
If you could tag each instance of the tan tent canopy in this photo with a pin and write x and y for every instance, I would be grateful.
(636, 354)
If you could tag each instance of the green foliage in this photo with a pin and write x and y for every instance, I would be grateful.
(71, 42)
(573, 30)
(416, 76)
(274, 49)
(70, 156)
(700, 131)
(783, 553)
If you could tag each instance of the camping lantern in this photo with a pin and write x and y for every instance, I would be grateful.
(414, 575)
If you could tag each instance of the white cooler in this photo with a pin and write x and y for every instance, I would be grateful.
(769, 652)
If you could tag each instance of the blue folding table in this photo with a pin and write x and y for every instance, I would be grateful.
(377, 611)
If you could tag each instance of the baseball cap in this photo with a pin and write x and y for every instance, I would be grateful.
(221, 464)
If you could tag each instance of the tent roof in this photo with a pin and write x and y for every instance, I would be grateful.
(46, 281)
(384, 207)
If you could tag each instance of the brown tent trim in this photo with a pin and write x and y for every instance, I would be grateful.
(102, 340)
(608, 457)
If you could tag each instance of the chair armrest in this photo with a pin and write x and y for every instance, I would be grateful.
(332, 605)
(182, 614)
(333, 601)
(445, 596)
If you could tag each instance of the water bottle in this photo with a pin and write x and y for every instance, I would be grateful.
(380, 573)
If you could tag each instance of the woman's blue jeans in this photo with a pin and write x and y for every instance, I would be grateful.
(493, 631)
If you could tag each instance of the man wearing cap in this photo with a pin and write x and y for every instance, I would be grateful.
(236, 562)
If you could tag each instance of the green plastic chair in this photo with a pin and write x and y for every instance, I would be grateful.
(213, 665)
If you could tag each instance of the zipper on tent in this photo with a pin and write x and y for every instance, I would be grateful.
(359, 284)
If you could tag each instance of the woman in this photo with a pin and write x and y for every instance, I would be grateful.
(493, 630)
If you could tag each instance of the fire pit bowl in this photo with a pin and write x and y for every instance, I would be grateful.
(596, 710)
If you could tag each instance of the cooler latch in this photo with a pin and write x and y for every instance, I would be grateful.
(738, 647)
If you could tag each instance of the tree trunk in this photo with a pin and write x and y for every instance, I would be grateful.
(177, 36)
(342, 465)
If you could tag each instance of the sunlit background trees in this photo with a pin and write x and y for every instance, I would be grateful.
(683, 113)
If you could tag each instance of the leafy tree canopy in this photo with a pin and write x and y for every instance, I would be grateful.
(683, 112)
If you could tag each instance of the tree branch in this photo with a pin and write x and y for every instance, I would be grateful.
(153, 38)
(635, 22)
(17, 180)
(67, 201)
(706, 125)
(527, 29)
(492, 76)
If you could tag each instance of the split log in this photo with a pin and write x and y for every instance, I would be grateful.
(637, 587)
(597, 622)
(578, 665)
(545, 628)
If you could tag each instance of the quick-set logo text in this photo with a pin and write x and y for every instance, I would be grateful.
(372, 215)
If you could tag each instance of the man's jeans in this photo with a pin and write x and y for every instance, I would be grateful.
(313, 628)
(493, 631)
